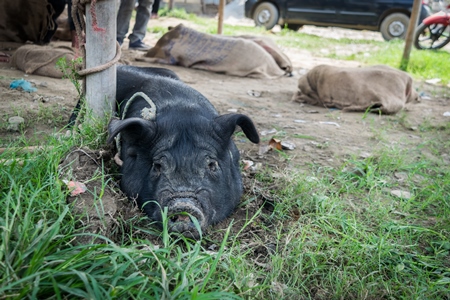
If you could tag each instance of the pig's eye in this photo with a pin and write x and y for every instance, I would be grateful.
(213, 166)
(157, 167)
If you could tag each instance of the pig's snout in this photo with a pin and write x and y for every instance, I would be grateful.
(180, 214)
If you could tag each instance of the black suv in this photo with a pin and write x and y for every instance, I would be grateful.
(390, 17)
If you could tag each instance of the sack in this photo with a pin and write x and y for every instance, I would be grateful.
(282, 60)
(236, 56)
(378, 88)
(40, 60)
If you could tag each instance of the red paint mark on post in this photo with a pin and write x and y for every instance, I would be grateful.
(94, 18)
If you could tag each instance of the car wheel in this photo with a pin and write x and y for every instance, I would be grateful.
(294, 27)
(394, 26)
(266, 14)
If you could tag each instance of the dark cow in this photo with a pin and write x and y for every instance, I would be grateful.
(182, 156)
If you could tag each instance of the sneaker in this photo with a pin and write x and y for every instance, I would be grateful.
(139, 45)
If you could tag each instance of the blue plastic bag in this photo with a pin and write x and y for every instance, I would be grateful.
(23, 84)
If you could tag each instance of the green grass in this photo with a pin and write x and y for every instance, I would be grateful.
(333, 233)
(39, 256)
(330, 233)
(179, 14)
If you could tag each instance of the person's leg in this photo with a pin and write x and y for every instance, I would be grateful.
(142, 17)
(155, 9)
(123, 18)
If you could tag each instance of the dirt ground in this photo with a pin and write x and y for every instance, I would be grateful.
(321, 136)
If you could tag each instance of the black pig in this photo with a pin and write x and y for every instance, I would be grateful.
(184, 157)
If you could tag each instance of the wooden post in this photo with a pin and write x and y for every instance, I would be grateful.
(170, 5)
(220, 13)
(101, 48)
(410, 34)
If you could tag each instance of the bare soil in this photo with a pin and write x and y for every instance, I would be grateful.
(321, 136)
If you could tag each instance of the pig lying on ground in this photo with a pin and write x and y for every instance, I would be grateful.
(182, 156)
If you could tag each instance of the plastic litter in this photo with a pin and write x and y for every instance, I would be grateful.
(433, 81)
(23, 84)
(254, 93)
(331, 123)
(285, 145)
(75, 187)
(270, 131)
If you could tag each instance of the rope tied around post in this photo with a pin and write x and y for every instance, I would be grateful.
(78, 10)
(105, 66)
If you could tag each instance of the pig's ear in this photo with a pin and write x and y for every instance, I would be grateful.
(135, 126)
(228, 124)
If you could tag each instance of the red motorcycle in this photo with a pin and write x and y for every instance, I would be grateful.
(434, 31)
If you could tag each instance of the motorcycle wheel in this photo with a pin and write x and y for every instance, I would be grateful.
(433, 36)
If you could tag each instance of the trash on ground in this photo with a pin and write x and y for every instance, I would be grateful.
(247, 164)
(23, 84)
(275, 144)
(331, 123)
(424, 96)
(270, 131)
(75, 187)
(433, 81)
(287, 145)
(254, 93)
